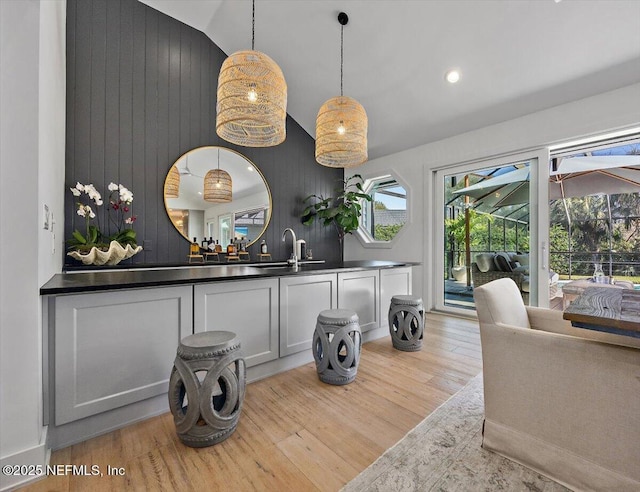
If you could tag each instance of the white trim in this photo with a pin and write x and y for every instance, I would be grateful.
(365, 239)
(538, 207)
(37, 456)
(594, 139)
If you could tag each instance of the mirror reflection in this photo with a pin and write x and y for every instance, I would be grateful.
(243, 219)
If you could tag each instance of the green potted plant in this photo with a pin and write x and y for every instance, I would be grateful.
(343, 211)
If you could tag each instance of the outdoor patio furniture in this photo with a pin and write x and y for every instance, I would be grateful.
(573, 289)
(492, 266)
(480, 278)
(557, 398)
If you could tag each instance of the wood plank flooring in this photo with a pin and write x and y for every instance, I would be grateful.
(295, 432)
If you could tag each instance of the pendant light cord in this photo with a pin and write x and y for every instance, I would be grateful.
(341, 57)
(253, 25)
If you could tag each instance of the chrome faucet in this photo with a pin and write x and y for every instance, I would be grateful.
(293, 261)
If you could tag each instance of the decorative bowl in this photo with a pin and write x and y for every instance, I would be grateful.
(114, 255)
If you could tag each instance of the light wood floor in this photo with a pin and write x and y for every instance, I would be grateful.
(295, 433)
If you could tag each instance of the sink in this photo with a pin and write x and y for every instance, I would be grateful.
(283, 264)
(273, 264)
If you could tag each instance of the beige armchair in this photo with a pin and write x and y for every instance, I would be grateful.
(563, 401)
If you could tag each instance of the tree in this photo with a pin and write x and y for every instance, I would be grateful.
(455, 229)
(386, 232)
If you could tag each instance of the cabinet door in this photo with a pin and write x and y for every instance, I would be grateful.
(249, 308)
(393, 282)
(301, 300)
(359, 291)
(116, 348)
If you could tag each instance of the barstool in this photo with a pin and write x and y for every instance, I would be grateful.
(337, 342)
(406, 323)
(211, 409)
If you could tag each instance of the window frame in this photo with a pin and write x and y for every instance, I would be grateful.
(361, 233)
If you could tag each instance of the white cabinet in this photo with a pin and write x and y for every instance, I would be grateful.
(359, 291)
(249, 308)
(393, 282)
(115, 348)
(109, 354)
(302, 297)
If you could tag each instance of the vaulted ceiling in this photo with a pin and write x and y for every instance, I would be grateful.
(515, 57)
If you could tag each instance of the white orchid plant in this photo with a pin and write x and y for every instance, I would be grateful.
(120, 217)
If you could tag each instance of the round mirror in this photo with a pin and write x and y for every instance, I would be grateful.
(242, 214)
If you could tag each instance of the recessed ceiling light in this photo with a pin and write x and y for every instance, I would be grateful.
(250, 168)
(452, 76)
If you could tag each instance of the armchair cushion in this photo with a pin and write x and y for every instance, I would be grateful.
(502, 303)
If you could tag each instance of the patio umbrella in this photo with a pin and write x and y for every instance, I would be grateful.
(510, 188)
(572, 177)
(593, 175)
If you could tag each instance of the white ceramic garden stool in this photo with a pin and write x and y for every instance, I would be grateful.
(206, 388)
(406, 323)
(337, 343)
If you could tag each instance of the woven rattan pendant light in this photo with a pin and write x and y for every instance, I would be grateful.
(251, 108)
(172, 185)
(341, 125)
(217, 185)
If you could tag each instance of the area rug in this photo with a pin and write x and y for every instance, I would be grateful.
(443, 453)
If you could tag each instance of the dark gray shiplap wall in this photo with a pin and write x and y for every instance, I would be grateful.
(141, 91)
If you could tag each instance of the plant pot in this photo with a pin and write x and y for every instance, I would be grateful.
(459, 273)
(114, 255)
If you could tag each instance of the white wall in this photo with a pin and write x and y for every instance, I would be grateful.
(587, 117)
(51, 135)
(32, 96)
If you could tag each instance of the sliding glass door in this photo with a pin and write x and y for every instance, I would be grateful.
(489, 227)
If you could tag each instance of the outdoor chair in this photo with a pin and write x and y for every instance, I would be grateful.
(560, 400)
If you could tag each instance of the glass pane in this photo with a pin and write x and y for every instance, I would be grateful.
(249, 224)
(594, 213)
(486, 212)
(385, 215)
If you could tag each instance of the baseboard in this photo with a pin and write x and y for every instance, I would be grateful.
(31, 459)
(81, 430)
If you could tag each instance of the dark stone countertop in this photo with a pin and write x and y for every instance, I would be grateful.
(98, 280)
